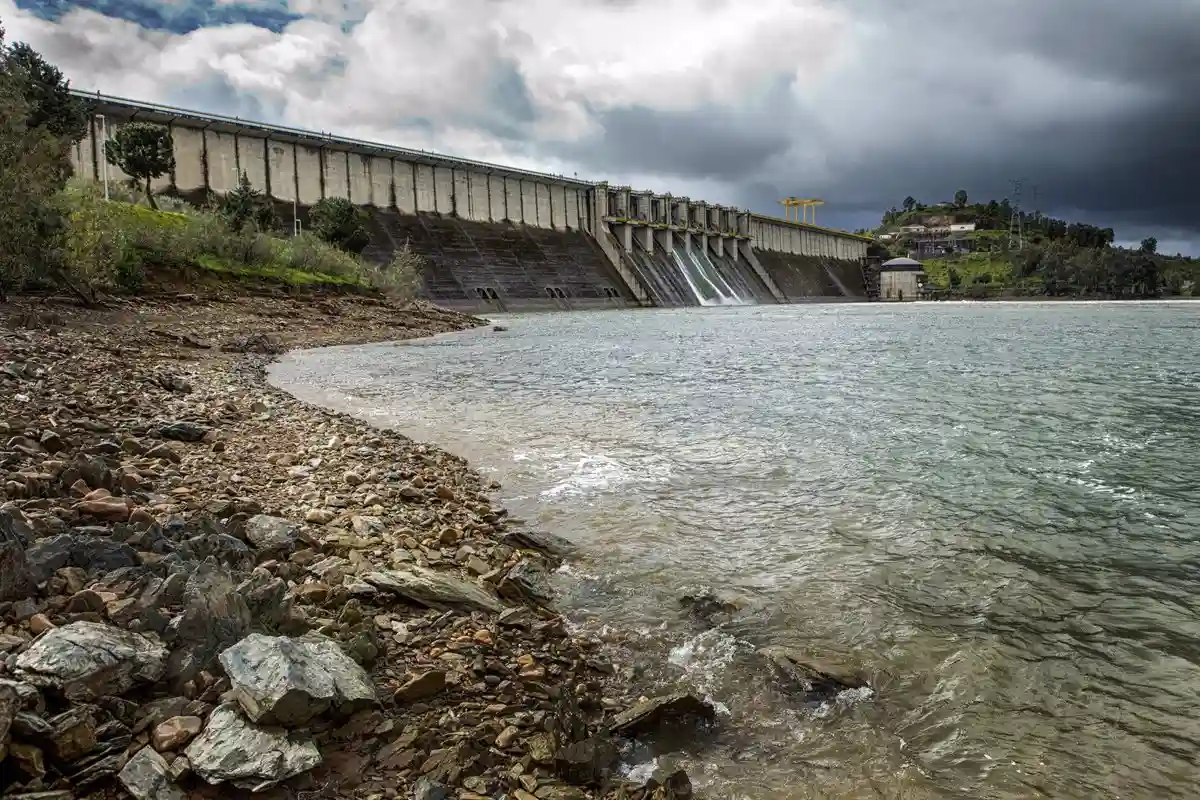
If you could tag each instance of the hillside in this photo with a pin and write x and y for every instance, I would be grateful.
(1056, 257)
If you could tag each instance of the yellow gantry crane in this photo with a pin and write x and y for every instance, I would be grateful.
(802, 205)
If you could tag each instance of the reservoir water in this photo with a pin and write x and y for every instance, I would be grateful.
(991, 509)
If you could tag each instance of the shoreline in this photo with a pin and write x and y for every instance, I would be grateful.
(225, 507)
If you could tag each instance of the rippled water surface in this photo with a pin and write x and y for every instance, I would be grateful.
(992, 509)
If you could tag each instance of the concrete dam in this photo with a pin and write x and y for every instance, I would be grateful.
(496, 238)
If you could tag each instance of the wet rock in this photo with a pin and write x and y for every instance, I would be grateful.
(547, 543)
(674, 709)
(710, 609)
(288, 682)
(588, 762)
(818, 680)
(147, 776)
(271, 534)
(668, 784)
(183, 431)
(175, 732)
(527, 581)
(230, 749)
(433, 589)
(87, 659)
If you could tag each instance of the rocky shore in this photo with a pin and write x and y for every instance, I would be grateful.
(210, 589)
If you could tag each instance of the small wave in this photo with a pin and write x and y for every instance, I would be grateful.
(591, 474)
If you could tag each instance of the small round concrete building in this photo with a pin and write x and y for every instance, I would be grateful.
(901, 279)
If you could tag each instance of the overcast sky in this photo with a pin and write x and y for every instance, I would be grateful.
(859, 102)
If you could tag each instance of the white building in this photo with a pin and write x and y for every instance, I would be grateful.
(901, 279)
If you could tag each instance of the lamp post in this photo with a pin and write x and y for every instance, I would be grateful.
(103, 123)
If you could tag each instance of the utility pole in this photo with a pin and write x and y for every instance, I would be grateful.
(1016, 228)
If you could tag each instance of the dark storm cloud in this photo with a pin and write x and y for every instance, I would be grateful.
(1120, 144)
(702, 143)
(173, 17)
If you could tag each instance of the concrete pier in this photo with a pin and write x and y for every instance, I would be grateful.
(496, 237)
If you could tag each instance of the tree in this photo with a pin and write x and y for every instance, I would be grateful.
(247, 207)
(909, 203)
(960, 198)
(143, 151)
(337, 221)
(46, 92)
(1149, 245)
(34, 166)
(954, 278)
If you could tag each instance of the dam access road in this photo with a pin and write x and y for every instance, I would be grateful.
(497, 238)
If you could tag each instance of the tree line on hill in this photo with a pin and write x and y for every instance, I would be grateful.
(53, 235)
(1062, 258)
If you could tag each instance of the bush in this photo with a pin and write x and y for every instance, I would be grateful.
(401, 278)
(339, 222)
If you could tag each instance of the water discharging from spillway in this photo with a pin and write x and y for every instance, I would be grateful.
(705, 280)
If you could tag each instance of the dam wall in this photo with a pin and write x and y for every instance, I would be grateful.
(495, 237)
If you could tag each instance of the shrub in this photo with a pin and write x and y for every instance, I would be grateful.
(246, 207)
(339, 222)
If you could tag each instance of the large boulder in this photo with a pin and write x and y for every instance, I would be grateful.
(215, 616)
(433, 589)
(289, 682)
(86, 660)
(234, 750)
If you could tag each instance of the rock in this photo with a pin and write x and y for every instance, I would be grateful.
(288, 682)
(231, 749)
(183, 431)
(507, 737)
(16, 579)
(431, 790)
(425, 685)
(433, 589)
(818, 680)
(547, 543)
(675, 708)
(527, 581)
(175, 732)
(28, 759)
(164, 452)
(109, 509)
(147, 776)
(215, 616)
(9, 706)
(73, 733)
(86, 660)
(669, 785)
(272, 534)
(39, 624)
(589, 762)
(93, 553)
(319, 516)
